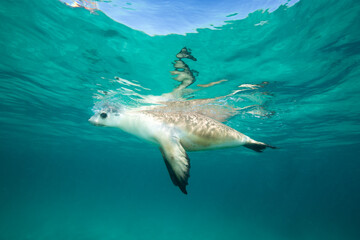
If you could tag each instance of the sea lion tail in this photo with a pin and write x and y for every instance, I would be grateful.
(258, 146)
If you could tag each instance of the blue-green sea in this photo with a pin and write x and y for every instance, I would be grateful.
(62, 178)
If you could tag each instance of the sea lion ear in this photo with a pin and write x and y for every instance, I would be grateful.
(177, 163)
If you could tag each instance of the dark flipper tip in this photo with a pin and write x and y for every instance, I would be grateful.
(258, 147)
(183, 189)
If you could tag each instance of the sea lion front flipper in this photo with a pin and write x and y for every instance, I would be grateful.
(177, 163)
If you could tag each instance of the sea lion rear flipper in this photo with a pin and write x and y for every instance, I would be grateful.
(258, 146)
(177, 163)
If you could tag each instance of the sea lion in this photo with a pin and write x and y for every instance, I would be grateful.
(175, 133)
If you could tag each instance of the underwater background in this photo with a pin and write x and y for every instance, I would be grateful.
(63, 178)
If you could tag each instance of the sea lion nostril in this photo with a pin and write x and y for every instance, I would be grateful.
(103, 115)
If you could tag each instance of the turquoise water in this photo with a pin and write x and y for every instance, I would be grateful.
(62, 178)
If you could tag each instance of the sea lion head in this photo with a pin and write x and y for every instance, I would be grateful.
(107, 115)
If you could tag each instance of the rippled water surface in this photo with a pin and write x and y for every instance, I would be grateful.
(63, 178)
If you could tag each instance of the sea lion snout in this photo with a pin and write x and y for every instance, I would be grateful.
(94, 120)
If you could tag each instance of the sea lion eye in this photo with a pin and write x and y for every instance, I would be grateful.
(103, 115)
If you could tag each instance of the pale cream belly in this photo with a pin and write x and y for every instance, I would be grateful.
(195, 143)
